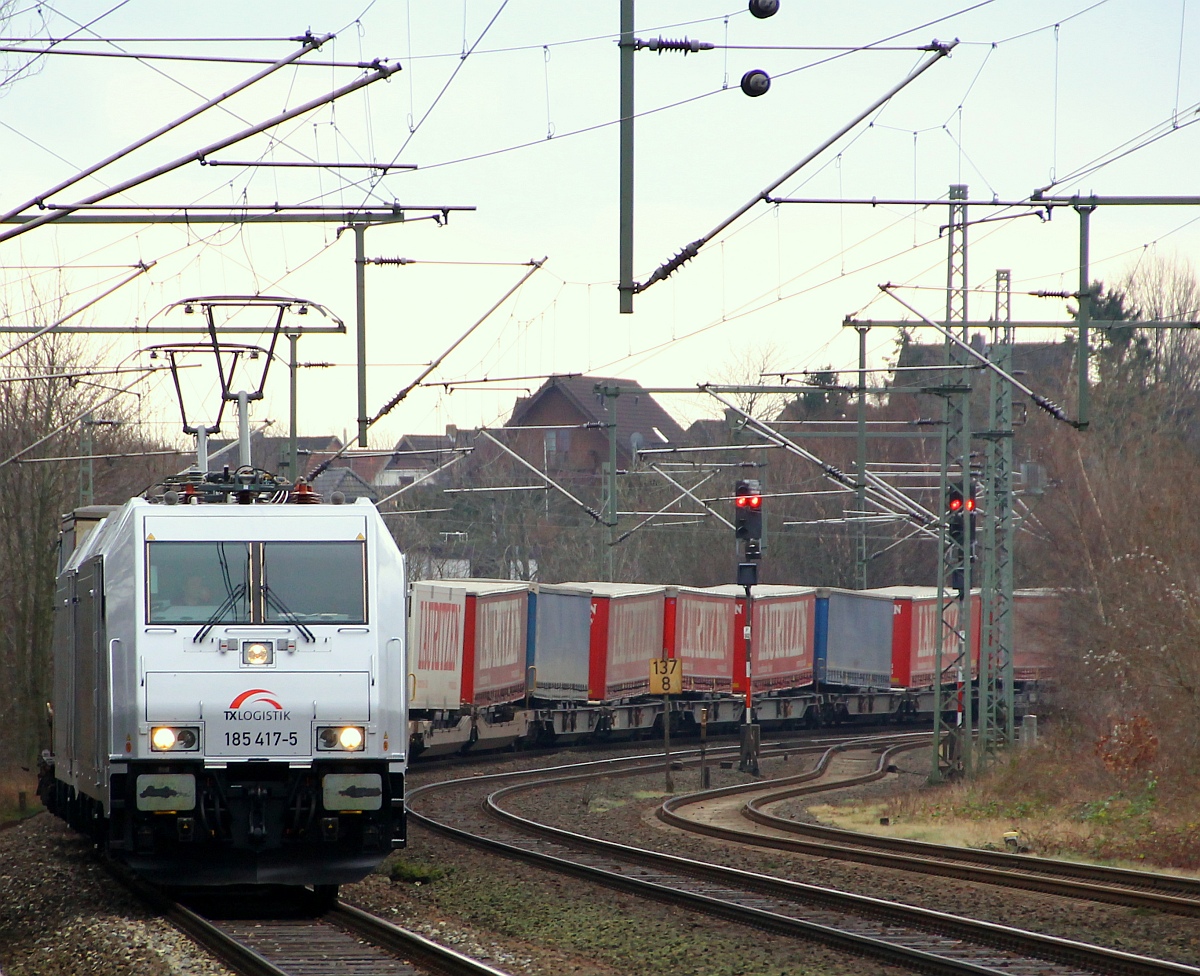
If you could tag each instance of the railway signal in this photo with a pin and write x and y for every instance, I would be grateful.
(747, 523)
(960, 516)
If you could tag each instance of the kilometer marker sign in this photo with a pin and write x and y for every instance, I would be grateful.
(666, 676)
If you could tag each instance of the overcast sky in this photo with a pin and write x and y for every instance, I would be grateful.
(510, 107)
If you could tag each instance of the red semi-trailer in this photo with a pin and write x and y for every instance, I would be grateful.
(698, 629)
(781, 637)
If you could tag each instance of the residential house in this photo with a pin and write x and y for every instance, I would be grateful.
(570, 421)
(415, 456)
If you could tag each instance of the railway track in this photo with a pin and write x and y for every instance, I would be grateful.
(712, 814)
(293, 941)
(917, 938)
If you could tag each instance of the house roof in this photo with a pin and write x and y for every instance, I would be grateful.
(707, 431)
(638, 413)
(1047, 366)
(425, 442)
(404, 459)
(345, 480)
(268, 453)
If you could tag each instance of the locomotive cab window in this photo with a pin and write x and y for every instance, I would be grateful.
(189, 582)
(256, 582)
(314, 582)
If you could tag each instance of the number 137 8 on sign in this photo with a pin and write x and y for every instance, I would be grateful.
(666, 676)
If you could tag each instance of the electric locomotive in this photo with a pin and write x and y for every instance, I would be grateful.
(229, 692)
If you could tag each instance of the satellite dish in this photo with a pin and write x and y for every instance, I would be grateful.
(635, 441)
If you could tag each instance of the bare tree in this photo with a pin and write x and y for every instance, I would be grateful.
(1166, 288)
(32, 23)
(759, 366)
(1118, 535)
(33, 497)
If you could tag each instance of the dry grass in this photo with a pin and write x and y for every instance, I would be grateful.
(1061, 799)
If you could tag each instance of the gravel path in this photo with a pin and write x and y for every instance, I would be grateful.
(61, 913)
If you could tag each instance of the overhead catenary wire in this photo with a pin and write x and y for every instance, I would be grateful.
(142, 269)
(874, 44)
(449, 81)
(689, 251)
(406, 65)
(685, 101)
(403, 394)
(310, 44)
(78, 417)
(383, 71)
(686, 493)
(596, 516)
(977, 76)
(199, 58)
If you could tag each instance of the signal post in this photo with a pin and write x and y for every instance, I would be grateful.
(666, 679)
(748, 526)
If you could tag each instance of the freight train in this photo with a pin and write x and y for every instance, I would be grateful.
(229, 684)
(498, 663)
(242, 674)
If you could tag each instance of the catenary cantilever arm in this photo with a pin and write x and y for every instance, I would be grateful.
(691, 250)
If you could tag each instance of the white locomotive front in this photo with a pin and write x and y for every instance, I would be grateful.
(230, 689)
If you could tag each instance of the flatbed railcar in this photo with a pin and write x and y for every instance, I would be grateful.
(819, 656)
(229, 692)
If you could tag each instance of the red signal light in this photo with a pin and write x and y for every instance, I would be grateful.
(957, 503)
(970, 504)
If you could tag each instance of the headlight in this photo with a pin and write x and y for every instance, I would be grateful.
(340, 738)
(258, 653)
(165, 738)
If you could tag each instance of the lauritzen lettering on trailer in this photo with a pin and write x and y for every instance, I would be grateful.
(698, 629)
(626, 635)
(499, 628)
(436, 636)
(783, 643)
(704, 629)
(440, 636)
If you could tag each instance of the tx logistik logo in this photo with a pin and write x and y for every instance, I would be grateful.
(256, 696)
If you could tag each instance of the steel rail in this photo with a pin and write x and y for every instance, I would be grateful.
(666, 878)
(417, 948)
(334, 940)
(1119, 886)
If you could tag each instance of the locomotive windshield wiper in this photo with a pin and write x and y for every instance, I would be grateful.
(217, 614)
(288, 615)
